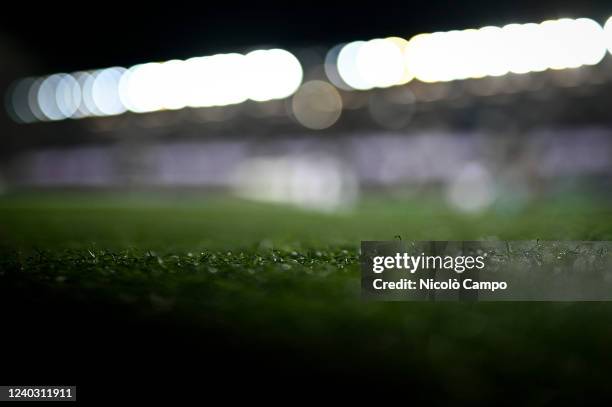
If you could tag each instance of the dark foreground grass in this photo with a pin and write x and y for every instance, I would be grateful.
(219, 277)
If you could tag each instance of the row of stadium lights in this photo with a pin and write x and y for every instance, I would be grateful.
(469, 54)
(263, 75)
(217, 80)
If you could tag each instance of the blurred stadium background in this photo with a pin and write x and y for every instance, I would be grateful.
(492, 116)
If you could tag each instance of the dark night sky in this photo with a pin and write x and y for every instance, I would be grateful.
(69, 36)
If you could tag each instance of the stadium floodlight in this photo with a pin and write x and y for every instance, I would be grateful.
(221, 80)
(47, 100)
(172, 84)
(377, 63)
(272, 74)
(105, 92)
(68, 95)
(201, 74)
(380, 62)
(142, 88)
(401, 43)
(347, 66)
(331, 68)
(419, 57)
(589, 41)
(492, 58)
(87, 106)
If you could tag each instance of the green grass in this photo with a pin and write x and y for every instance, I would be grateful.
(181, 224)
(285, 276)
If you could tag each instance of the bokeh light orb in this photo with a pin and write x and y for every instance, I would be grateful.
(316, 105)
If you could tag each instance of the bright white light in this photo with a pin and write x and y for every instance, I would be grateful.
(472, 190)
(524, 48)
(272, 74)
(231, 83)
(105, 92)
(88, 106)
(463, 47)
(47, 101)
(492, 57)
(331, 68)
(536, 54)
(85, 100)
(347, 66)
(557, 38)
(214, 80)
(125, 89)
(424, 57)
(608, 34)
(377, 63)
(172, 84)
(68, 95)
(380, 63)
(200, 92)
(316, 182)
(141, 92)
(454, 55)
(589, 41)
(516, 48)
(401, 44)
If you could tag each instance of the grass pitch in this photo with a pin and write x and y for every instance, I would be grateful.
(286, 282)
